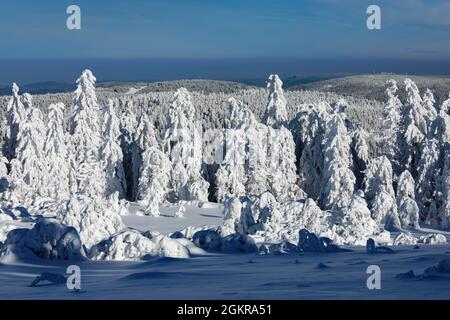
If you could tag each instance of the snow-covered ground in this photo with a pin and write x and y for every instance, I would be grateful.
(233, 276)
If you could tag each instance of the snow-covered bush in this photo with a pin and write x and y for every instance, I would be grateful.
(208, 240)
(238, 243)
(433, 238)
(48, 239)
(309, 242)
(211, 240)
(353, 223)
(131, 245)
(94, 219)
(404, 238)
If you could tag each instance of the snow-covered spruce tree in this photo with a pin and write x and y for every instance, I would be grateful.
(144, 138)
(338, 179)
(154, 180)
(407, 206)
(86, 137)
(231, 177)
(55, 150)
(379, 193)
(428, 173)
(281, 146)
(257, 171)
(415, 126)
(392, 123)
(16, 113)
(33, 163)
(360, 151)
(182, 144)
(282, 176)
(429, 106)
(308, 128)
(276, 113)
(352, 219)
(128, 125)
(111, 156)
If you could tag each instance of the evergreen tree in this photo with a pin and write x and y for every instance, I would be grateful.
(338, 179)
(392, 123)
(182, 144)
(111, 154)
(155, 175)
(55, 150)
(86, 137)
(276, 113)
(408, 209)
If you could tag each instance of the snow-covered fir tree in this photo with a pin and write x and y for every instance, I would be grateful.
(360, 154)
(154, 180)
(352, 220)
(86, 139)
(182, 144)
(281, 159)
(338, 179)
(392, 123)
(415, 126)
(29, 152)
(276, 113)
(16, 113)
(309, 127)
(111, 156)
(379, 193)
(144, 138)
(407, 206)
(56, 153)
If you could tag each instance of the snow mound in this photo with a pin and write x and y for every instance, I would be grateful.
(131, 245)
(55, 278)
(443, 267)
(238, 243)
(284, 247)
(48, 239)
(211, 241)
(190, 231)
(309, 242)
(404, 238)
(433, 238)
(94, 219)
(371, 247)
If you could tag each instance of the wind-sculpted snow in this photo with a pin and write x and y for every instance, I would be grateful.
(48, 239)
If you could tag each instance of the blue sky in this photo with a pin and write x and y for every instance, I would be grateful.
(213, 29)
